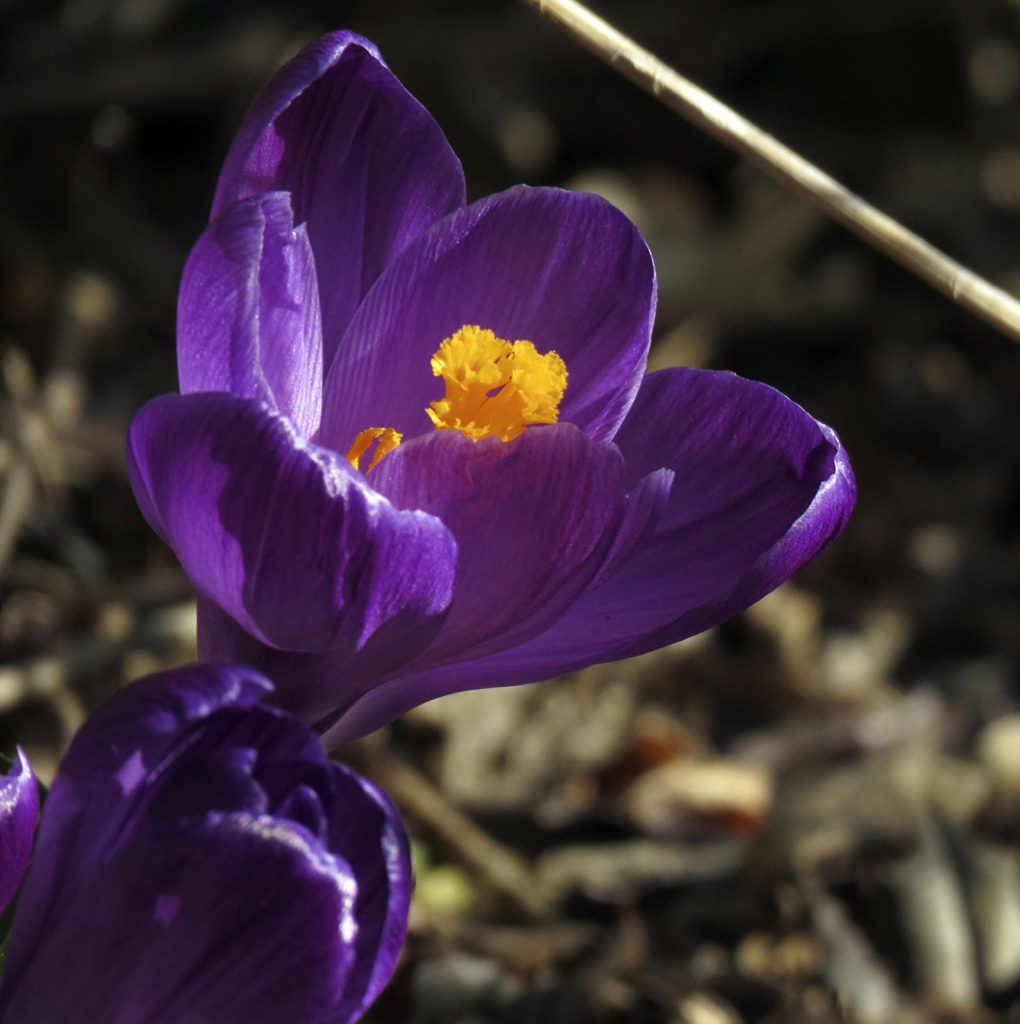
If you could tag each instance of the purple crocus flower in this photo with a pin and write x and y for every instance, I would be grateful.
(372, 536)
(19, 811)
(201, 859)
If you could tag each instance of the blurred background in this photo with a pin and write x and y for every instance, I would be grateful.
(811, 814)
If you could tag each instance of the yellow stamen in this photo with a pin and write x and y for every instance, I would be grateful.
(387, 439)
(495, 387)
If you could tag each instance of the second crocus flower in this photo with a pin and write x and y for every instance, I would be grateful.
(200, 859)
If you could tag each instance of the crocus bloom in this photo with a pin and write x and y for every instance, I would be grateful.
(200, 859)
(415, 450)
(19, 811)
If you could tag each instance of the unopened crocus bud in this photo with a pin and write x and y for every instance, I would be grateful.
(201, 859)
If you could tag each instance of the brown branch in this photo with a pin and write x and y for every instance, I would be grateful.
(781, 163)
(499, 867)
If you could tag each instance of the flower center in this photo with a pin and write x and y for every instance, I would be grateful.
(494, 388)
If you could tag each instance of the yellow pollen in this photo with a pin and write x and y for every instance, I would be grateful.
(495, 387)
(387, 439)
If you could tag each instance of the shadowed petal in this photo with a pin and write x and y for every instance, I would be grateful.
(534, 520)
(760, 488)
(248, 312)
(504, 598)
(564, 270)
(84, 811)
(19, 811)
(367, 828)
(367, 166)
(314, 686)
(286, 537)
(154, 712)
(238, 915)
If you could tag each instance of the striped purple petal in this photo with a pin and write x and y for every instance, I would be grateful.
(367, 167)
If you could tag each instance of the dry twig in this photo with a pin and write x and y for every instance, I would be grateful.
(785, 166)
(499, 867)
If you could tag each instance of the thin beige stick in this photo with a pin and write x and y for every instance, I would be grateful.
(971, 291)
(499, 866)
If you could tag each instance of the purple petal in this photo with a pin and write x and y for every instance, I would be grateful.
(534, 521)
(86, 806)
(368, 832)
(368, 167)
(315, 687)
(564, 270)
(537, 522)
(226, 918)
(19, 811)
(302, 804)
(361, 699)
(248, 313)
(285, 537)
(646, 504)
(760, 488)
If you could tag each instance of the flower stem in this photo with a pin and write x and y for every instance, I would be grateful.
(781, 163)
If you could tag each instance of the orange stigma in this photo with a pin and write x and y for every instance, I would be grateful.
(495, 388)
